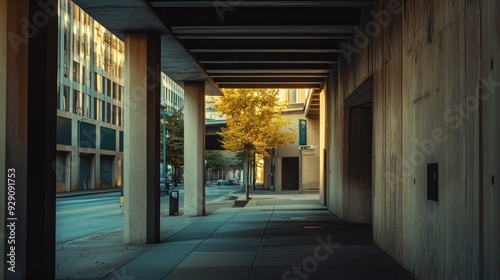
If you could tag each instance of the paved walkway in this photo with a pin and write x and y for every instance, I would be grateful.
(275, 236)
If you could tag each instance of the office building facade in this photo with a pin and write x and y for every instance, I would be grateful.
(90, 115)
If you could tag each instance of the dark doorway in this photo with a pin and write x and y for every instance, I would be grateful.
(84, 173)
(360, 164)
(290, 174)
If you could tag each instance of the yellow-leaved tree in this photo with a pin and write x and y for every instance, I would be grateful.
(255, 123)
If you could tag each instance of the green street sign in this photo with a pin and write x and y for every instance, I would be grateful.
(302, 132)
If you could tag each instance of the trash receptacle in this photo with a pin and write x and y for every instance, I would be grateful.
(174, 203)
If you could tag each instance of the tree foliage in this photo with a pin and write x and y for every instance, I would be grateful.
(255, 123)
(223, 161)
(175, 139)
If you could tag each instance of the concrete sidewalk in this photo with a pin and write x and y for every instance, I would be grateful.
(275, 236)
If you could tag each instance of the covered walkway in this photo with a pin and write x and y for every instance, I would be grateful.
(276, 236)
(406, 97)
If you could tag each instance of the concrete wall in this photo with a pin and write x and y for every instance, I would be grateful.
(347, 200)
(310, 158)
(310, 170)
(427, 61)
(490, 116)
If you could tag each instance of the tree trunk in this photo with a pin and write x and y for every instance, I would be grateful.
(247, 190)
(175, 176)
(254, 171)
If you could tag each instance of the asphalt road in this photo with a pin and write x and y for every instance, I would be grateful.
(84, 215)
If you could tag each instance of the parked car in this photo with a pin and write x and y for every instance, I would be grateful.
(222, 182)
(235, 182)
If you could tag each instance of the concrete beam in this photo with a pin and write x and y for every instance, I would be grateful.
(141, 141)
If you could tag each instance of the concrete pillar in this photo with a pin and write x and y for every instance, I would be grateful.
(141, 140)
(28, 83)
(194, 148)
(323, 162)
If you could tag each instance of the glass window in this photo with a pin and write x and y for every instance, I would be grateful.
(108, 87)
(86, 106)
(113, 116)
(84, 78)
(65, 101)
(108, 112)
(120, 93)
(76, 71)
(97, 82)
(120, 117)
(114, 90)
(103, 79)
(103, 112)
(77, 102)
(96, 108)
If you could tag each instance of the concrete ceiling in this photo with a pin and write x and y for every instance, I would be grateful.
(239, 44)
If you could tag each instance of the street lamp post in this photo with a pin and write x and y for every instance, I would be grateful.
(165, 149)
(78, 155)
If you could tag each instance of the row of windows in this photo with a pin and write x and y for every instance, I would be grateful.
(106, 48)
(106, 86)
(169, 108)
(90, 107)
(85, 38)
(173, 98)
(101, 83)
(106, 59)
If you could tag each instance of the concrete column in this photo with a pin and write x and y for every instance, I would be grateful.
(28, 82)
(194, 148)
(141, 140)
(323, 162)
